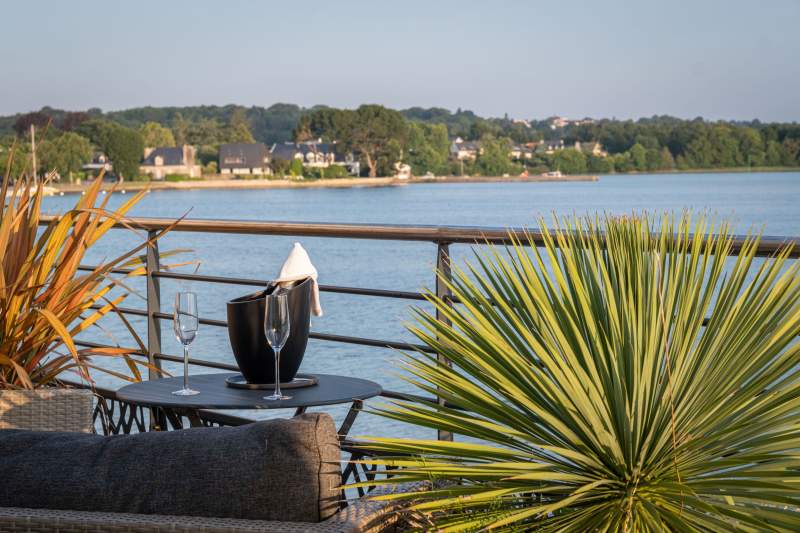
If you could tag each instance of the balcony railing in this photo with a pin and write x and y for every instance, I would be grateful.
(128, 417)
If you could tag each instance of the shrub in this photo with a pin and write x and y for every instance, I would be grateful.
(588, 393)
(331, 172)
(45, 301)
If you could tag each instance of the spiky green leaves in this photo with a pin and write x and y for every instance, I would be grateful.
(587, 393)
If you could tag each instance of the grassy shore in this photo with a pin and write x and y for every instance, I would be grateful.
(312, 184)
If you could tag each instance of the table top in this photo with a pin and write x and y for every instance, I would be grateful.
(215, 394)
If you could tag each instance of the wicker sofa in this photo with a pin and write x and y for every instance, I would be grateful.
(80, 495)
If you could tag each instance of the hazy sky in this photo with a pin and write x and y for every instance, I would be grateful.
(719, 59)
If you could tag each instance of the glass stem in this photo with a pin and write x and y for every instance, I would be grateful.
(278, 372)
(185, 366)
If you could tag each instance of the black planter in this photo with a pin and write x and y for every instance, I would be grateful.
(255, 358)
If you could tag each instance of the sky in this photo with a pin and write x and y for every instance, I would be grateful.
(734, 59)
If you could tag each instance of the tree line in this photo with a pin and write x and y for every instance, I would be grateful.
(418, 136)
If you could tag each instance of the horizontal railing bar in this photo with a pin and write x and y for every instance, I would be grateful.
(359, 291)
(166, 357)
(363, 341)
(89, 268)
(395, 232)
(263, 283)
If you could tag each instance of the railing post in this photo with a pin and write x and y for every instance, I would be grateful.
(152, 264)
(443, 292)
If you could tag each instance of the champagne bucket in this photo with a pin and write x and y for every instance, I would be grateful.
(255, 358)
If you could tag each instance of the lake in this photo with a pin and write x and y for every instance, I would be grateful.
(757, 201)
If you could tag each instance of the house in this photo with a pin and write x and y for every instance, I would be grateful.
(315, 154)
(163, 160)
(461, 149)
(549, 147)
(244, 158)
(311, 154)
(591, 148)
(99, 163)
(520, 152)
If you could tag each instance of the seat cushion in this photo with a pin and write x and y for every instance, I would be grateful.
(285, 470)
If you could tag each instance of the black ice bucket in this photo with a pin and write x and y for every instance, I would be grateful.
(255, 358)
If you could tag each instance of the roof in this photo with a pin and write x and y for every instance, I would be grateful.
(472, 146)
(243, 155)
(169, 156)
(283, 151)
(288, 150)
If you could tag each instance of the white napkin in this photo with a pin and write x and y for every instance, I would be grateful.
(298, 267)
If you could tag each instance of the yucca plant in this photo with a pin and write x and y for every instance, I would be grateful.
(45, 301)
(588, 393)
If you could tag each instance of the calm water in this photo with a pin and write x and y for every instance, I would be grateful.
(751, 201)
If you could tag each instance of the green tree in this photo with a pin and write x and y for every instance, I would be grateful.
(774, 155)
(125, 148)
(239, 128)
(601, 165)
(622, 162)
(493, 159)
(296, 167)
(280, 167)
(638, 157)
(155, 135)
(66, 154)
(370, 133)
(376, 133)
(790, 149)
(751, 147)
(570, 161)
(653, 158)
(14, 156)
(427, 148)
(98, 131)
(681, 163)
(667, 161)
(180, 129)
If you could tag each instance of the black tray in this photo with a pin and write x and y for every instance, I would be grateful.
(300, 381)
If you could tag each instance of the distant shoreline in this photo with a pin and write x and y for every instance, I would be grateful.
(343, 183)
(313, 184)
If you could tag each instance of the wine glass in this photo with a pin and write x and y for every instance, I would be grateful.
(185, 323)
(276, 329)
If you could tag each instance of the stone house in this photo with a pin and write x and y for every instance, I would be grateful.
(163, 160)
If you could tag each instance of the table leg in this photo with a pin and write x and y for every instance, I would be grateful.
(350, 418)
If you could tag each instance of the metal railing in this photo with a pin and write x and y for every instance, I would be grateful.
(442, 236)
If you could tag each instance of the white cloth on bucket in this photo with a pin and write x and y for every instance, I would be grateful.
(298, 267)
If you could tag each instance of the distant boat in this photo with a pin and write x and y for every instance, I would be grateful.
(553, 174)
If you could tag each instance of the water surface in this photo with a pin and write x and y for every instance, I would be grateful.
(756, 201)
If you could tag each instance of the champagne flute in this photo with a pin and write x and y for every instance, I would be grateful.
(185, 323)
(276, 329)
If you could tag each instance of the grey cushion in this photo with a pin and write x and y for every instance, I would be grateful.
(284, 470)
